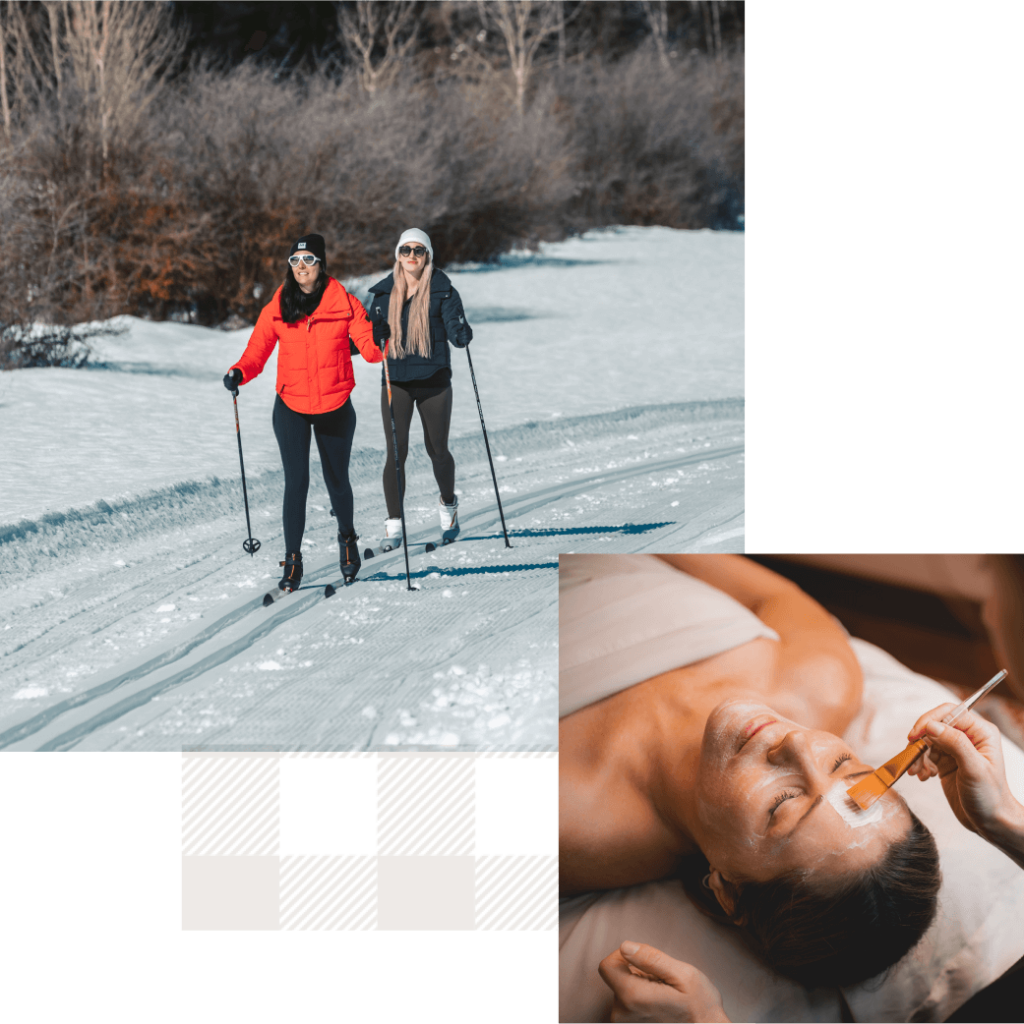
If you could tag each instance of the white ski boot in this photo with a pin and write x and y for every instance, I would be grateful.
(449, 521)
(392, 535)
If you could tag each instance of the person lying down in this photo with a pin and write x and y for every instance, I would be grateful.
(730, 772)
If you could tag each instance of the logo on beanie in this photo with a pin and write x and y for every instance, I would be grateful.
(302, 245)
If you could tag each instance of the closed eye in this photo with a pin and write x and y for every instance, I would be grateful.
(785, 795)
(788, 794)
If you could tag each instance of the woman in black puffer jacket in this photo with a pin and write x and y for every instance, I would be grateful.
(418, 307)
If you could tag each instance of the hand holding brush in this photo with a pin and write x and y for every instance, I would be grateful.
(968, 758)
(866, 792)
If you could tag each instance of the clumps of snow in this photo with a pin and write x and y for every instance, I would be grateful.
(269, 666)
(29, 692)
(489, 707)
(166, 608)
(369, 712)
(446, 593)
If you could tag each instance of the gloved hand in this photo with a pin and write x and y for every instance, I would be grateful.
(232, 379)
(381, 333)
(463, 338)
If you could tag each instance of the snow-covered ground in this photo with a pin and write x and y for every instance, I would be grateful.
(610, 371)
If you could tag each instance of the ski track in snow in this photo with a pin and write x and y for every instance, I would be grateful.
(131, 619)
(374, 667)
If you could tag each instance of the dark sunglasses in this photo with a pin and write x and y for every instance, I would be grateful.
(412, 250)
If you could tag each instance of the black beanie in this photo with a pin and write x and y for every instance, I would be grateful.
(311, 243)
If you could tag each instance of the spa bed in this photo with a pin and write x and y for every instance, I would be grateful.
(672, 620)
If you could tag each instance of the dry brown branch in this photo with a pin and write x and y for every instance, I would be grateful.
(380, 35)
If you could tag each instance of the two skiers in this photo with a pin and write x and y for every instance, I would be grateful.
(319, 325)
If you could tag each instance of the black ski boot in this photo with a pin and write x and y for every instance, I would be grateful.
(349, 555)
(292, 573)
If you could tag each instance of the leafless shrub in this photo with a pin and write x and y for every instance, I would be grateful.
(23, 346)
(656, 146)
(188, 196)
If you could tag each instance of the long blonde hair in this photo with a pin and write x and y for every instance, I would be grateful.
(418, 341)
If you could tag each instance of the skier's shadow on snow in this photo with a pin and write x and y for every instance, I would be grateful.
(570, 531)
(466, 570)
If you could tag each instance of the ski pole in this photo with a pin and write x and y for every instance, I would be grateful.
(487, 446)
(251, 546)
(398, 471)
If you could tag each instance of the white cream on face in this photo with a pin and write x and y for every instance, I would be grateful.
(840, 799)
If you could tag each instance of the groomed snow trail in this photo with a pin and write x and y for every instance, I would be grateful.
(140, 627)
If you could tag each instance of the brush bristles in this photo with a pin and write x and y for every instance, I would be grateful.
(867, 791)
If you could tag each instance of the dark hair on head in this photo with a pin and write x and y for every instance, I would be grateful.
(295, 303)
(838, 933)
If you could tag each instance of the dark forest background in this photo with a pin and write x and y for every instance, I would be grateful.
(159, 158)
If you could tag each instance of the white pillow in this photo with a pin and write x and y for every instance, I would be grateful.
(977, 934)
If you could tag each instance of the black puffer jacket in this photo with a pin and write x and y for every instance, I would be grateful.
(447, 324)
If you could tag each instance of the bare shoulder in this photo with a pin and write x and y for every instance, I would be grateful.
(609, 831)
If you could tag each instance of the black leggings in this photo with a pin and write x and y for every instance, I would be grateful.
(334, 432)
(435, 409)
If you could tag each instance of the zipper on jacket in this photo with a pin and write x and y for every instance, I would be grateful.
(309, 323)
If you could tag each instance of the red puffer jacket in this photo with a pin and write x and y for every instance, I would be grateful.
(314, 368)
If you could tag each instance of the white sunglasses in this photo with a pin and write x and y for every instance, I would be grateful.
(305, 257)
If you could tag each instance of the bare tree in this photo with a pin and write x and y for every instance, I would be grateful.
(657, 17)
(53, 15)
(120, 54)
(380, 35)
(522, 25)
(712, 26)
(5, 107)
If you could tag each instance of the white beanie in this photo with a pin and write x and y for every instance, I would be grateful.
(415, 235)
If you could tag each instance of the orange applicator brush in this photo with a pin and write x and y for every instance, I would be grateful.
(866, 792)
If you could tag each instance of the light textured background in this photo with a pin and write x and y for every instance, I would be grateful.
(353, 841)
(94, 894)
(884, 316)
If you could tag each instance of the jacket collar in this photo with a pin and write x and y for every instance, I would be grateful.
(335, 300)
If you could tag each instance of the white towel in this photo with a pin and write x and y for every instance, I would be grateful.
(626, 618)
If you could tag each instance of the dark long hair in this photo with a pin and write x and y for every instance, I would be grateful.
(295, 303)
(839, 933)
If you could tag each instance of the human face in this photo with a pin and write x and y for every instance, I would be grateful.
(768, 798)
(306, 276)
(412, 264)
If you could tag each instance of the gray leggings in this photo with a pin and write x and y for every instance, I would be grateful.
(435, 409)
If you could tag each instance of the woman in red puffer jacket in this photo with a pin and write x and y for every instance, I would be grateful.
(314, 319)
